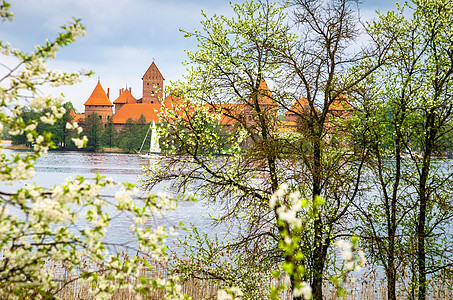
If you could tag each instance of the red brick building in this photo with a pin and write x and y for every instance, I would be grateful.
(99, 103)
(153, 85)
(124, 98)
(126, 105)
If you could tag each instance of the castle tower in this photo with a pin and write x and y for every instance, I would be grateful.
(99, 103)
(124, 98)
(153, 84)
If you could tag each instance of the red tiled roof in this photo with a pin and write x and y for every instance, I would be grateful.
(340, 104)
(134, 111)
(172, 101)
(289, 123)
(76, 117)
(153, 66)
(287, 127)
(98, 97)
(229, 111)
(125, 97)
(300, 106)
(79, 117)
(265, 94)
(263, 85)
(182, 108)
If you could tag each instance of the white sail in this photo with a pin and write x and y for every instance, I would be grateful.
(154, 144)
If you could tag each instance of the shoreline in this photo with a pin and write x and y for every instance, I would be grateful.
(7, 145)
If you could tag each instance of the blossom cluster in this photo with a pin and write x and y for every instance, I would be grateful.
(287, 205)
(304, 290)
(354, 259)
(5, 14)
(295, 216)
(232, 293)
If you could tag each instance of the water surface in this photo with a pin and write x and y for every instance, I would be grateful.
(56, 166)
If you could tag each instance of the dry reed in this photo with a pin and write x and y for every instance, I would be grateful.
(371, 286)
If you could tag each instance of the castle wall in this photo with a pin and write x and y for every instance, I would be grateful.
(104, 111)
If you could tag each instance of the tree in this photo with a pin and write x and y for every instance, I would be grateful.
(316, 67)
(57, 129)
(141, 128)
(65, 135)
(227, 87)
(26, 116)
(413, 119)
(109, 136)
(132, 134)
(93, 129)
(39, 225)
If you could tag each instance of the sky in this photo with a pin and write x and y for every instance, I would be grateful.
(123, 37)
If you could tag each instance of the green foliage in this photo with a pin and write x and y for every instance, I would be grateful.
(93, 128)
(216, 261)
(132, 134)
(225, 87)
(193, 128)
(60, 136)
(411, 122)
(109, 135)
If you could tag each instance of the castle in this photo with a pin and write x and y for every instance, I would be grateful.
(126, 106)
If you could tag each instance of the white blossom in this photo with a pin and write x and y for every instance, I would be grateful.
(304, 291)
(80, 142)
(273, 201)
(362, 257)
(123, 196)
(232, 293)
(39, 139)
(40, 102)
(47, 119)
(15, 131)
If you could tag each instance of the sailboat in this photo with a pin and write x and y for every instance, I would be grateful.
(154, 148)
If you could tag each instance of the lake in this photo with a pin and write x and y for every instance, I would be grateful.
(56, 166)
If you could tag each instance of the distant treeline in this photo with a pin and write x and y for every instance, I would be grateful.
(99, 135)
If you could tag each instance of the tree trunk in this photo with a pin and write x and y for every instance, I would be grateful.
(390, 272)
(423, 203)
(318, 245)
(421, 252)
(318, 262)
(391, 219)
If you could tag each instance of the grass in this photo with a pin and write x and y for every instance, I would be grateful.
(369, 286)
